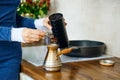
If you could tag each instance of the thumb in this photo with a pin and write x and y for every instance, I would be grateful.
(47, 23)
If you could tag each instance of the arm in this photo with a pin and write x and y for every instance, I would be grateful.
(26, 33)
(11, 34)
(41, 24)
(20, 34)
(25, 22)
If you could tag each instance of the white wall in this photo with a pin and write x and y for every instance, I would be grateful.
(93, 20)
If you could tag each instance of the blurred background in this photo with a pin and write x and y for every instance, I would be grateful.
(88, 20)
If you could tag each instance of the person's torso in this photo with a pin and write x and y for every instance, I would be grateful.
(9, 49)
(8, 12)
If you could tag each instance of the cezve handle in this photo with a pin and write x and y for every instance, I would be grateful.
(65, 51)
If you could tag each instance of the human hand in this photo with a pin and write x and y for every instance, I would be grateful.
(46, 23)
(32, 35)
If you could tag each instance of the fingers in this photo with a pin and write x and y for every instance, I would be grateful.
(36, 32)
(47, 23)
(32, 35)
(65, 22)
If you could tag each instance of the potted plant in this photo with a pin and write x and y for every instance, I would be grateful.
(34, 8)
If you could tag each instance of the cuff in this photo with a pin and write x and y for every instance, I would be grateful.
(16, 34)
(39, 24)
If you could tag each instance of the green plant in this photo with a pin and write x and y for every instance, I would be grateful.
(34, 8)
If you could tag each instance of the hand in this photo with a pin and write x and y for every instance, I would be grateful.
(46, 23)
(32, 35)
(65, 23)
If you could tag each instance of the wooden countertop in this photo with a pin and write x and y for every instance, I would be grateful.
(84, 70)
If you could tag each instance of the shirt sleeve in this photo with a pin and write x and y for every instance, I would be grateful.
(30, 23)
(39, 24)
(5, 33)
(11, 34)
(16, 34)
(25, 22)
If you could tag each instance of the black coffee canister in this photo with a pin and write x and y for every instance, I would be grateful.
(59, 30)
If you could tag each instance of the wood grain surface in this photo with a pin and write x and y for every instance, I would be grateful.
(84, 70)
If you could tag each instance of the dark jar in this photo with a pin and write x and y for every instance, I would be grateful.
(59, 30)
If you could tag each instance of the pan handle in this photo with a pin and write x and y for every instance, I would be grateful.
(74, 47)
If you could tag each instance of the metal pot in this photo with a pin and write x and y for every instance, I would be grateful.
(86, 48)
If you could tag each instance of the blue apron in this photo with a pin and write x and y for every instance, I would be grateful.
(10, 52)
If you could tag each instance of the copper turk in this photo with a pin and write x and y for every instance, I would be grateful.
(52, 60)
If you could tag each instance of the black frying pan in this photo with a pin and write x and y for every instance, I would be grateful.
(86, 48)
